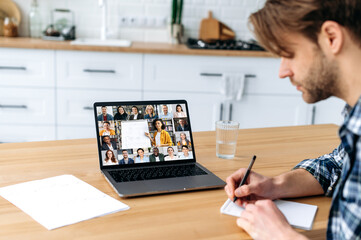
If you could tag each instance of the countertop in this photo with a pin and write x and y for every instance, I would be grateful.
(137, 47)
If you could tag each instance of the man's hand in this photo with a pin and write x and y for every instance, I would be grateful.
(263, 220)
(257, 187)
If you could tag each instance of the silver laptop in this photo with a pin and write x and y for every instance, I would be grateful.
(146, 148)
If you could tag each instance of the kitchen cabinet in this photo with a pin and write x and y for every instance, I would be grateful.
(329, 111)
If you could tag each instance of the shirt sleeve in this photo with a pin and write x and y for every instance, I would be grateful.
(326, 169)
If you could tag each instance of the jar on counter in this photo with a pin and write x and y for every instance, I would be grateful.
(10, 27)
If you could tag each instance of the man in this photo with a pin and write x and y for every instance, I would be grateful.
(319, 45)
(106, 130)
(105, 116)
(166, 114)
(135, 114)
(183, 126)
(185, 154)
(107, 144)
(126, 159)
(156, 156)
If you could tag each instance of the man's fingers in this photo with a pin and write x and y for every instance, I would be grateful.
(243, 223)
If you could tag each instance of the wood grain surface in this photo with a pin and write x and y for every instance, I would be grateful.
(189, 215)
(137, 47)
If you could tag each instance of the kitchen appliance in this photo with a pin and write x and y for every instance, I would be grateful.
(62, 26)
(224, 45)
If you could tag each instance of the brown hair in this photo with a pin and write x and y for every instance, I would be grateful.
(279, 17)
(112, 157)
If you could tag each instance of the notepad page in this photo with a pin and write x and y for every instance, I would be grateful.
(58, 201)
(298, 215)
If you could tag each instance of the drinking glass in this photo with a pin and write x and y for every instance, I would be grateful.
(226, 138)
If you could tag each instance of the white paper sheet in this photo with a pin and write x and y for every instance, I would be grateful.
(59, 201)
(299, 215)
(133, 134)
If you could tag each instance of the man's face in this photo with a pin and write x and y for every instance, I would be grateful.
(107, 140)
(106, 126)
(310, 70)
(125, 154)
(165, 110)
(181, 122)
(185, 151)
(156, 151)
(104, 110)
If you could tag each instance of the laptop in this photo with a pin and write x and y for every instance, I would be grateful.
(146, 148)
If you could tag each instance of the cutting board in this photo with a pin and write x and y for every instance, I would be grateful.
(212, 29)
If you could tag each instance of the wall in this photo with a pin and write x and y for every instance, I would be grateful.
(234, 13)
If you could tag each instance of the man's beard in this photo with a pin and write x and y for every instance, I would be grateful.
(321, 80)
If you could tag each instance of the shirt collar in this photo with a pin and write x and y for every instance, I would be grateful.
(352, 121)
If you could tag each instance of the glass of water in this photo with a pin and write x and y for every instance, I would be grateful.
(226, 138)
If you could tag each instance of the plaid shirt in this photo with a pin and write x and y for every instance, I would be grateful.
(339, 174)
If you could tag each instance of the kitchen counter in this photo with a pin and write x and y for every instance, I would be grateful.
(137, 47)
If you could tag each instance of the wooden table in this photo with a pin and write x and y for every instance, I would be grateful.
(191, 215)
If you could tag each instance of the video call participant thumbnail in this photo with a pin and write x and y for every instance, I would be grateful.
(135, 114)
(165, 114)
(171, 155)
(110, 159)
(161, 137)
(106, 129)
(156, 156)
(183, 140)
(105, 116)
(183, 126)
(107, 144)
(179, 112)
(150, 112)
(126, 159)
(185, 154)
(121, 114)
(141, 158)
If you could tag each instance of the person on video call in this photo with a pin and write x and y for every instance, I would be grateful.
(150, 112)
(106, 130)
(185, 154)
(141, 158)
(183, 140)
(126, 159)
(165, 114)
(161, 136)
(110, 158)
(107, 144)
(156, 156)
(121, 114)
(171, 155)
(135, 114)
(183, 126)
(179, 112)
(319, 43)
(105, 116)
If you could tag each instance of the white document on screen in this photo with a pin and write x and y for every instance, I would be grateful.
(133, 134)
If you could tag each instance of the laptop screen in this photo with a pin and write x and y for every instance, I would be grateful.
(143, 133)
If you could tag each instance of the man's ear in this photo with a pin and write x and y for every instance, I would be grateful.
(331, 37)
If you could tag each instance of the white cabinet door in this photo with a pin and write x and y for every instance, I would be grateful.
(26, 133)
(27, 106)
(26, 67)
(201, 74)
(329, 111)
(255, 111)
(203, 108)
(75, 132)
(99, 70)
(75, 107)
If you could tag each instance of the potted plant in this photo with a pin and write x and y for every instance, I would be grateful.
(176, 28)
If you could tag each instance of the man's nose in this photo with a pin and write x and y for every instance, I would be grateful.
(285, 70)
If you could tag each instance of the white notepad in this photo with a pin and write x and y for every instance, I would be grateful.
(298, 215)
(58, 201)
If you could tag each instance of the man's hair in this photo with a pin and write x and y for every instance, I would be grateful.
(185, 146)
(279, 17)
(104, 107)
(106, 122)
(124, 150)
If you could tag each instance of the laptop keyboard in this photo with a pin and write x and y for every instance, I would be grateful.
(129, 175)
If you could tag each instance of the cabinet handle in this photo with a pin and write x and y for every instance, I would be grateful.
(230, 111)
(12, 68)
(220, 75)
(14, 106)
(99, 71)
(87, 108)
(221, 112)
(313, 115)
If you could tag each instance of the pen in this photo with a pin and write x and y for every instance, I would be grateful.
(246, 175)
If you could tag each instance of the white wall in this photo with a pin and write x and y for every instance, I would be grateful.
(234, 13)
